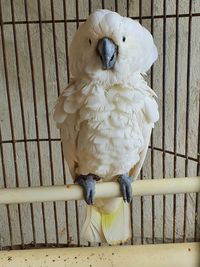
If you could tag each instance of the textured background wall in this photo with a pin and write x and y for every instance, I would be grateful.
(33, 71)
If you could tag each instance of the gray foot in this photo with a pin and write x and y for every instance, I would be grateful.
(88, 184)
(125, 182)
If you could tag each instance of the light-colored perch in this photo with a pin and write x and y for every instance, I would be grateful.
(103, 190)
(167, 255)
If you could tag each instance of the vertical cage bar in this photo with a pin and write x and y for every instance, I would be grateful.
(77, 14)
(47, 112)
(127, 8)
(163, 113)
(67, 65)
(76, 202)
(57, 81)
(141, 173)
(22, 111)
(66, 39)
(103, 4)
(175, 113)
(90, 10)
(5, 186)
(187, 114)
(11, 119)
(35, 111)
(89, 7)
(140, 11)
(116, 5)
(54, 48)
(196, 234)
(131, 204)
(152, 143)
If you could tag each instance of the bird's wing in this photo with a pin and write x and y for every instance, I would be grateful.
(147, 117)
(66, 115)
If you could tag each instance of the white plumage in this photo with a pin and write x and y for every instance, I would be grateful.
(106, 116)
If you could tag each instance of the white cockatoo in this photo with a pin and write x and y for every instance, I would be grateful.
(106, 115)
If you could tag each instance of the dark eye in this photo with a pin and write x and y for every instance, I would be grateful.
(90, 42)
(124, 39)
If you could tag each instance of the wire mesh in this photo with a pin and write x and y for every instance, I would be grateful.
(35, 37)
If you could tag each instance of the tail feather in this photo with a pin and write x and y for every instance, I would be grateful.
(113, 227)
(92, 230)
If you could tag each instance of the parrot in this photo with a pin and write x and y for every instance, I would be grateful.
(106, 115)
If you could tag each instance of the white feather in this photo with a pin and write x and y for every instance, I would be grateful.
(151, 110)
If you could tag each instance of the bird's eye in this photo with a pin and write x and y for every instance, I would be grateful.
(90, 42)
(124, 39)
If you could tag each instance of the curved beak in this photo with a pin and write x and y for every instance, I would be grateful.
(107, 51)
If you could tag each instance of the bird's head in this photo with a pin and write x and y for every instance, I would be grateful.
(111, 47)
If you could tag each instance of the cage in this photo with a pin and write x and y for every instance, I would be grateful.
(35, 36)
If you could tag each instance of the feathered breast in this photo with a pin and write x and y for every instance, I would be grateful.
(107, 127)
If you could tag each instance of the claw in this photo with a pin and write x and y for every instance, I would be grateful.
(125, 182)
(88, 184)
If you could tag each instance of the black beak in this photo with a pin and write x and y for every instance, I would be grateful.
(107, 51)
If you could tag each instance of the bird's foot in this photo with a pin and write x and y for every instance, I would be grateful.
(125, 182)
(87, 182)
